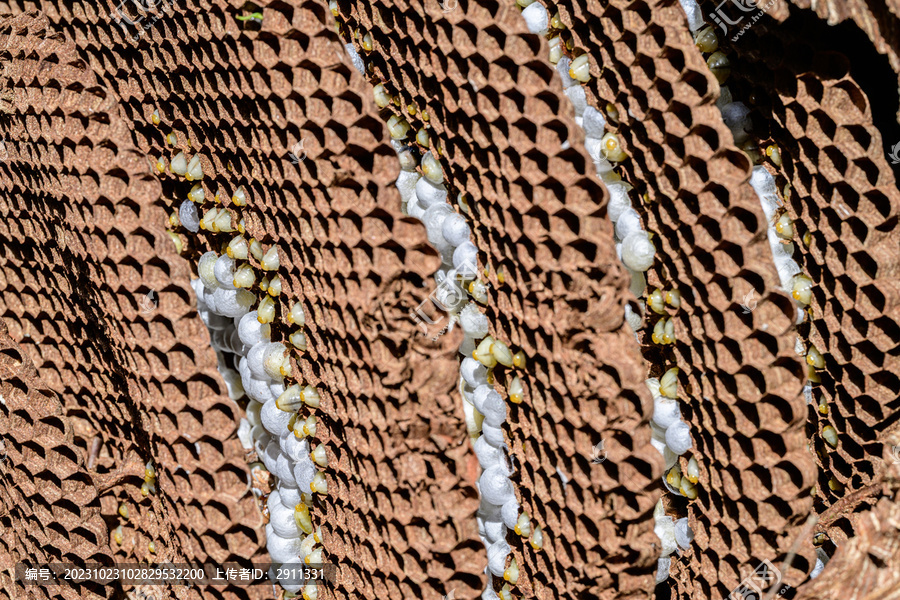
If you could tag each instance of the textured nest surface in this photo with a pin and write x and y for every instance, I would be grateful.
(98, 380)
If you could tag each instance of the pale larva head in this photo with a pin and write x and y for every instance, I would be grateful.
(298, 340)
(719, 65)
(319, 484)
(244, 276)
(687, 489)
(693, 470)
(309, 426)
(556, 51)
(801, 289)
(516, 391)
(673, 298)
(656, 302)
(302, 518)
(830, 435)
(311, 592)
(206, 270)
(311, 396)
(238, 248)
(422, 137)
(291, 399)
(265, 313)
(179, 164)
(274, 358)
(814, 377)
(580, 68)
(224, 221)
(256, 250)
(478, 291)
(668, 384)
(706, 40)
(147, 488)
(382, 98)
(523, 525)
(483, 353)
(239, 197)
(501, 353)
(814, 358)
(511, 574)
(320, 456)
(296, 316)
(431, 168)
(398, 127)
(659, 331)
(176, 239)
(474, 420)
(556, 22)
(208, 222)
(784, 227)
(197, 194)
(274, 288)
(669, 332)
(194, 169)
(367, 42)
(270, 260)
(537, 538)
(611, 148)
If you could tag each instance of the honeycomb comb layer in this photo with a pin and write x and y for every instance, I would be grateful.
(78, 193)
(69, 366)
(741, 382)
(50, 505)
(844, 199)
(556, 288)
(347, 254)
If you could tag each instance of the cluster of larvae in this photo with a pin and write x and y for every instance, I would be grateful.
(458, 292)
(280, 421)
